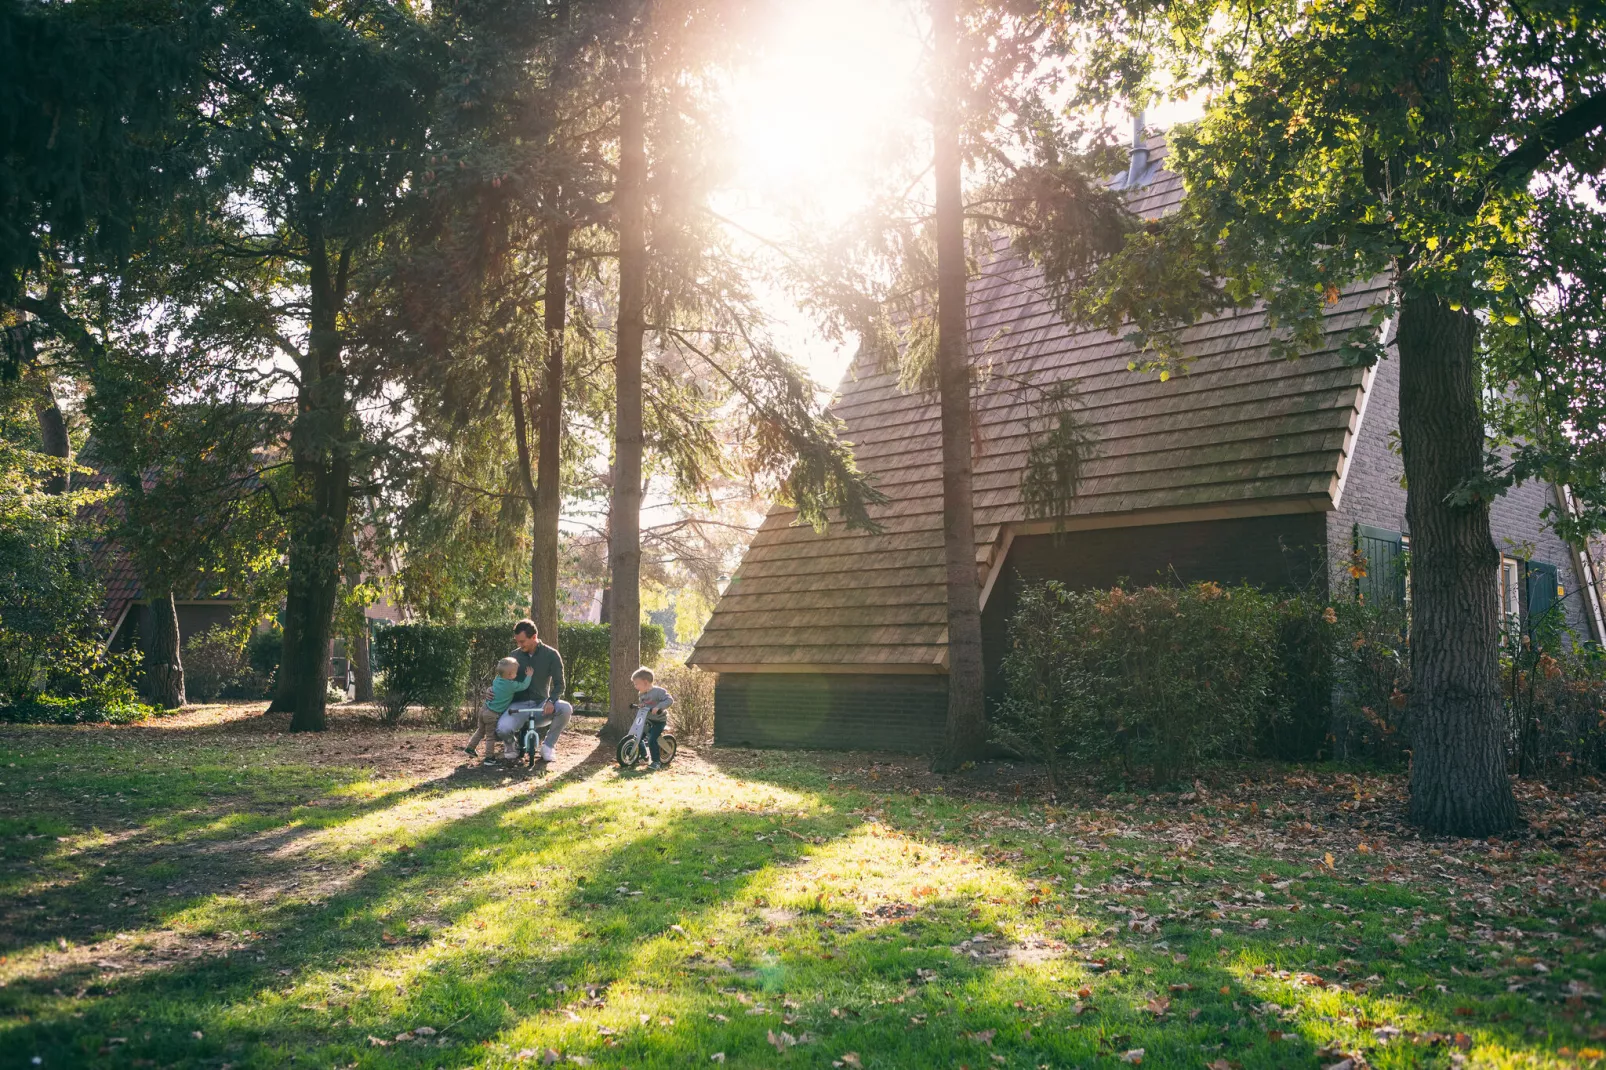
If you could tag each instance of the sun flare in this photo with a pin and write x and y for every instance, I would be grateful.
(828, 100)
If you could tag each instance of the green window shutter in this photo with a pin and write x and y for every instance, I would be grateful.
(1542, 581)
(1382, 555)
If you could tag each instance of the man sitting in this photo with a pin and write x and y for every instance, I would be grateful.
(546, 688)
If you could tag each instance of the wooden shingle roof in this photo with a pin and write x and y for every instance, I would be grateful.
(1242, 430)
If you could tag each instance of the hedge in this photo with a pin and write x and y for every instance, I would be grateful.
(446, 666)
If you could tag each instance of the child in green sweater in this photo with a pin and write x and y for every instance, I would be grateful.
(503, 688)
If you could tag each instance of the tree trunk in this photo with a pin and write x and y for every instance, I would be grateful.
(315, 541)
(967, 727)
(289, 639)
(549, 439)
(1458, 766)
(320, 449)
(357, 647)
(52, 428)
(164, 665)
(519, 402)
(624, 511)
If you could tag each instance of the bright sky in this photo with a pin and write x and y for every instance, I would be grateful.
(822, 121)
(818, 120)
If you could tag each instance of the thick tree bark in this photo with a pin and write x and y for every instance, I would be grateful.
(1458, 767)
(549, 440)
(967, 727)
(164, 664)
(362, 668)
(624, 511)
(320, 449)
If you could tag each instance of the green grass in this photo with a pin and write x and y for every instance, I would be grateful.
(197, 897)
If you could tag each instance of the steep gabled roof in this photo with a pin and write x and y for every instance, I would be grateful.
(1242, 430)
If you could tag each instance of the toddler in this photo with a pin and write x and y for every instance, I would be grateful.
(503, 688)
(655, 700)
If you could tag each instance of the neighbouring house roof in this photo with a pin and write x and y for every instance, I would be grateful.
(1242, 432)
(109, 559)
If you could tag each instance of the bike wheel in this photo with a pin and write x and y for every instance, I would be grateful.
(666, 748)
(629, 752)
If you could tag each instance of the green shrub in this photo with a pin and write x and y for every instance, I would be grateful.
(262, 653)
(1555, 698)
(213, 664)
(1146, 683)
(56, 709)
(425, 665)
(1371, 659)
(448, 666)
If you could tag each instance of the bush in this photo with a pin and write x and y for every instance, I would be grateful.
(1371, 679)
(448, 666)
(55, 709)
(262, 653)
(213, 664)
(693, 689)
(425, 665)
(1555, 699)
(1148, 682)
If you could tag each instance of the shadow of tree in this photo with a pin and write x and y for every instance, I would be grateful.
(725, 913)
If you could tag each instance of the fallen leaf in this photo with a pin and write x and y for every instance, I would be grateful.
(783, 1041)
(849, 1058)
(983, 1037)
(424, 1031)
(717, 1057)
(1134, 1056)
(1158, 1006)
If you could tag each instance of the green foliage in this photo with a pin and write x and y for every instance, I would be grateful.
(57, 709)
(424, 665)
(447, 666)
(1555, 696)
(217, 664)
(1061, 445)
(1148, 683)
(1372, 677)
(1455, 148)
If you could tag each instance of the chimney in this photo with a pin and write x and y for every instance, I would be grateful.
(1140, 153)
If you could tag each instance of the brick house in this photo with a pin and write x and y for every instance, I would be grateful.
(1249, 468)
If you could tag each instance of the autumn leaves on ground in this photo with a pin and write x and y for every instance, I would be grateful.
(205, 891)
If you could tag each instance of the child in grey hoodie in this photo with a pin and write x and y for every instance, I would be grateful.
(656, 701)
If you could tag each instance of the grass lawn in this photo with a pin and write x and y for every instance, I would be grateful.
(206, 891)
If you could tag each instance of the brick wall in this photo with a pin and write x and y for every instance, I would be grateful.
(847, 711)
(1373, 495)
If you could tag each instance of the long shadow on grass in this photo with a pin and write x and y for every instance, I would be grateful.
(347, 932)
(967, 1010)
(1354, 990)
(228, 844)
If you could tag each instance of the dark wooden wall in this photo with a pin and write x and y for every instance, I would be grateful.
(846, 711)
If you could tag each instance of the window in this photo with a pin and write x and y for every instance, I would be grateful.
(1379, 567)
(1511, 591)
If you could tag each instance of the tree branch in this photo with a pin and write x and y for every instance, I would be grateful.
(1555, 133)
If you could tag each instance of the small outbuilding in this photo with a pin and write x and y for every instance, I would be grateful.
(1249, 468)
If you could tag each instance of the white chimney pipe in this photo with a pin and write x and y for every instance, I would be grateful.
(1140, 153)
